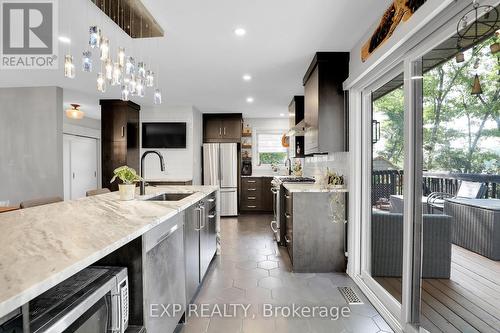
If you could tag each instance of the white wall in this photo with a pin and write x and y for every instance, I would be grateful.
(181, 164)
(31, 162)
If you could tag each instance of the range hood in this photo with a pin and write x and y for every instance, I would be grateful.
(297, 130)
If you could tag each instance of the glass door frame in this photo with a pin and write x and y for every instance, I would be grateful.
(392, 305)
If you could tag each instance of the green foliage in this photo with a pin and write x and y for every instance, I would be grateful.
(461, 131)
(272, 158)
(126, 175)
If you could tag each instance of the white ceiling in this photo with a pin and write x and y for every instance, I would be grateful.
(202, 61)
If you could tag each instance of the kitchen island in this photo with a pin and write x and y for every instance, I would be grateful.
(315, 222)
(43, 246)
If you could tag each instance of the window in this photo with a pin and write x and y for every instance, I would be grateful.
(269, 149)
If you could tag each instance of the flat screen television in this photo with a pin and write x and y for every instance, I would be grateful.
(163, 135)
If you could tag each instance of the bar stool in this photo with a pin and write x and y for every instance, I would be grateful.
(39, 202)
(98, 191)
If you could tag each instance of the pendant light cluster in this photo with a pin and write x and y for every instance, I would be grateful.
(121, 70)
(472, 30)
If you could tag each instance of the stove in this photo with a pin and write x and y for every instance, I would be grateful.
(278, 195)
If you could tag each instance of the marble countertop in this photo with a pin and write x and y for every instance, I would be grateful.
(170, 179)
(313, 188)
(43, 246)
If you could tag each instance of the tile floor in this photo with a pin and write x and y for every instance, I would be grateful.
(253, 272)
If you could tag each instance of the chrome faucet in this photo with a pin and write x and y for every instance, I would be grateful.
(289, 163)
(162, 167)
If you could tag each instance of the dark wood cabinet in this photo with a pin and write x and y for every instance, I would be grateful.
(119, 138)
(222, 127)
(325, 100)
(296, 111)
(256, 194)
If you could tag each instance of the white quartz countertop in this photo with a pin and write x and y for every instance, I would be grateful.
(170, 179)
(313, 188)
(43, 246)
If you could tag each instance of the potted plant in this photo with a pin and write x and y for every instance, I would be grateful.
(128, 177)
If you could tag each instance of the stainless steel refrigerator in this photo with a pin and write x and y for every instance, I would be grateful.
(220, 167)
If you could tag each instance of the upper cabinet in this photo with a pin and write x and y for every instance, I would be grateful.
(222, 127)
(325, 103)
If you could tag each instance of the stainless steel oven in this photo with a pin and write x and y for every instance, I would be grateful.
(95, 300)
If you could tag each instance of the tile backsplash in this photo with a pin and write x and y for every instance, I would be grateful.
(315, 166)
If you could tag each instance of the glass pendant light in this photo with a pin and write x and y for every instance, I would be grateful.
(125, 92)
(132, 85)
(101, 83)
(150, 78)
(87, 61)
(129, 66)
(141, 70)
(95, 37)
(104, 48)
(69, 67)
(121, 57)
(108, 69)
(157, 96)
(117, 75)
(140, 87)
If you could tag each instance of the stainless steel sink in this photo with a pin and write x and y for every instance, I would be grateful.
(170, 196)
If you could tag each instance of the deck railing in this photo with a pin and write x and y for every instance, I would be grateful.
(388, 182)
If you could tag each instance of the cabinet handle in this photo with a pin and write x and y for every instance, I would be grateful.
(252, 206)
(211, 200)
(252, 189)
(123, 131)
(287, 239)
(251, 181)
(73, 175)
(211, 216)
(199, 219)
(288, 196)
(224, 131)
(252, 198)
(220, 131)
(288, 216)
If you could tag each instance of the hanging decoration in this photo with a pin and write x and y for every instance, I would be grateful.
(104, 49)
(95, 37)
(101, 83)
(87, 61)
(69, 67)
(108, 70)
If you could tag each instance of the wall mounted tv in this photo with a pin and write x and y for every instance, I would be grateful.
(163, 135)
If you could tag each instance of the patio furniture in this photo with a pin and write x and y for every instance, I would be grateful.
(387, 245)
(470, 190)
(476, 225)
(397, 204)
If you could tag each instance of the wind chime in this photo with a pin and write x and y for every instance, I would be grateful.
(475, 26)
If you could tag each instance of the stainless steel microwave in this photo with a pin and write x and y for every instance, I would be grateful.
(95, 300)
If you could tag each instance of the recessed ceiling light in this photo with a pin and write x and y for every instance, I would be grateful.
(240, 32)
(282, 114)
(64, 39)
(247, 77)
(250, 100)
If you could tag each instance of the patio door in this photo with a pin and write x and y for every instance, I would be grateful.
(383, 199)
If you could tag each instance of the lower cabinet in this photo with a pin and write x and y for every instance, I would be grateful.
(256, 194)
(164, 275)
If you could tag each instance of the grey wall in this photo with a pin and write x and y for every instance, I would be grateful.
(30, 143)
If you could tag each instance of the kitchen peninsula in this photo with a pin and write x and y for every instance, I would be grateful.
(43, 246)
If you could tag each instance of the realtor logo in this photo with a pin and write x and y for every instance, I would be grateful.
(28, 34)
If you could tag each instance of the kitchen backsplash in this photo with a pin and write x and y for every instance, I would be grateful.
(317, 165)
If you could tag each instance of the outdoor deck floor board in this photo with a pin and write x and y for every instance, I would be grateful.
(467, 302)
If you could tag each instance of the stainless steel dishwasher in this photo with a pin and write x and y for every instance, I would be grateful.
(192, 249)
(164, 275)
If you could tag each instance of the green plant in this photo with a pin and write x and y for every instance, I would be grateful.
(126, 174)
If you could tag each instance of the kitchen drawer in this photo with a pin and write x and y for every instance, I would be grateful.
(248, 206)
(289, 243)
(210, 202)
(251, 182)
(251, 200)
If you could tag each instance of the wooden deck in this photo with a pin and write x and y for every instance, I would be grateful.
(467, 302)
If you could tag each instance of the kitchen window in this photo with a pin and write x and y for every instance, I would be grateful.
(269, 149)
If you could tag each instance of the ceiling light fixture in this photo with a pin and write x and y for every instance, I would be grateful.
(250, 99)
(247, 77)
(64, 39)
(240, 32)
(74, 112)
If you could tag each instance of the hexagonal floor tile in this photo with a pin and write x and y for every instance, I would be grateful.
(267, 264)
(247, 265)
(270, 282)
